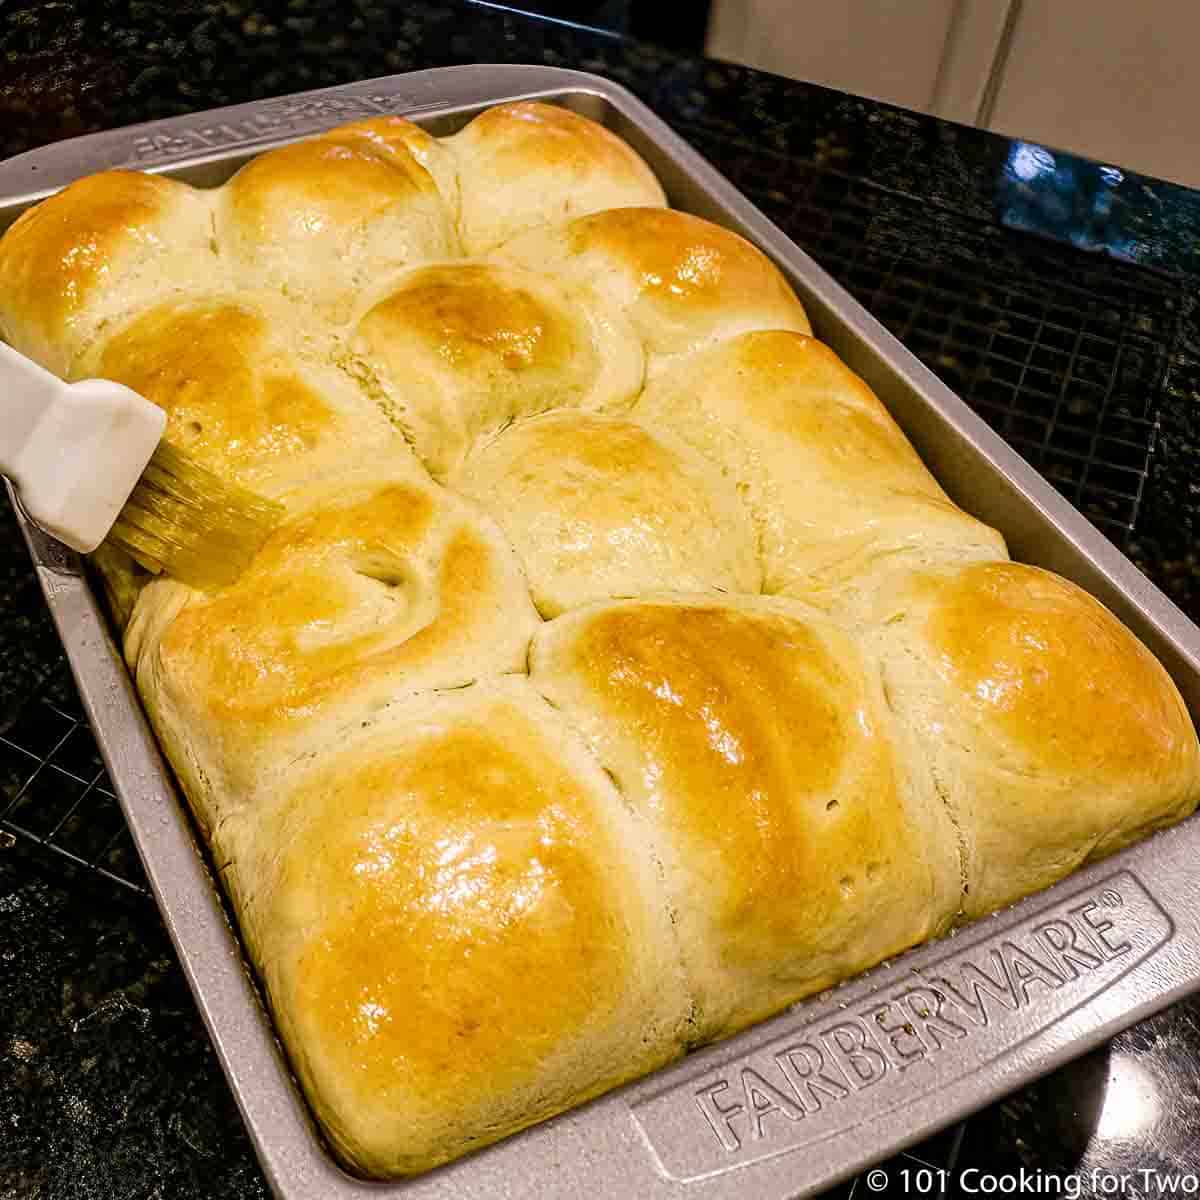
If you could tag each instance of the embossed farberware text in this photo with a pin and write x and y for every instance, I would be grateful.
(283, 119)
(982, 1001)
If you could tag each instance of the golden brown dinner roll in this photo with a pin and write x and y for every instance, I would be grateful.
(105, 246)
(1053, 734)
(379, 585)
(528, 164)
(798, 847)
(598, 506)
(244, 395)
(459, 350)
(459, 924)
(323, 220)
(837, 492)
(685, 282)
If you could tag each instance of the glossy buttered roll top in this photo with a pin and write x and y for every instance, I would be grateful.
(619, 674)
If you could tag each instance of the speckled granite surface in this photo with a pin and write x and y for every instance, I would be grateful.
(108, 1085)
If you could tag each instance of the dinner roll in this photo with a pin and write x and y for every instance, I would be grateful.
(108, 245)
(379, 585)
(837, 492)
(685, 282)
(1053, 734)
(245, 396)
(598, 506)
(460, 927)
(457, 351)
(798, 846)
(324, 219)
(528, 164)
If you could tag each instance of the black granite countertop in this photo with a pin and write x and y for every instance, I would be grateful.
(1054, 294)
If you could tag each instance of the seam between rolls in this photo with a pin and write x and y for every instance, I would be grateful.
(942, 793)
(646, 828)
(960, 841)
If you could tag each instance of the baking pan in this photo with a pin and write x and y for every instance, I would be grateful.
(849, 1077)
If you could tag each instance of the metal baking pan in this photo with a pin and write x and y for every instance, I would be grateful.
(849, 1077)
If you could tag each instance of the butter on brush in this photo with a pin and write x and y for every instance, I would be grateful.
(89, 464)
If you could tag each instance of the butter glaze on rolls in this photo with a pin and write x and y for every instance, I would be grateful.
(460, 924)
(106, 246)
(395, 133)
(381, 584)
(456, 352)
(244, 395)
(619, 675)
(755, 741)
(1052, 732)
(684, 282)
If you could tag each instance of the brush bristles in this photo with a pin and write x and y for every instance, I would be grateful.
(186, 522)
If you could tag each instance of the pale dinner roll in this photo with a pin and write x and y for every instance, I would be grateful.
(108, 245)
(1053, 734)
(322, 220)
(459, 924)
(837, 492)
(457, 351)
(380, 584)
(528, 164)
(598, 506)
(685, 282)
(799, 846)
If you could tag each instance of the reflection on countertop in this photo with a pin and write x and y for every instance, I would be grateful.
(1122, 1119)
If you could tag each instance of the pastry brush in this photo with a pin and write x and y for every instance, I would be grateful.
(89, 464)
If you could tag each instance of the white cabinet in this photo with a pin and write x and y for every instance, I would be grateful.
(887, 49)
(1112, 80)
(1105, 78)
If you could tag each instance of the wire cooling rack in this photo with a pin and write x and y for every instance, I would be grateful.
(1065, 355)
(55, 794)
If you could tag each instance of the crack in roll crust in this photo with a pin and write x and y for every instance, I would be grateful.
(519, 783)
